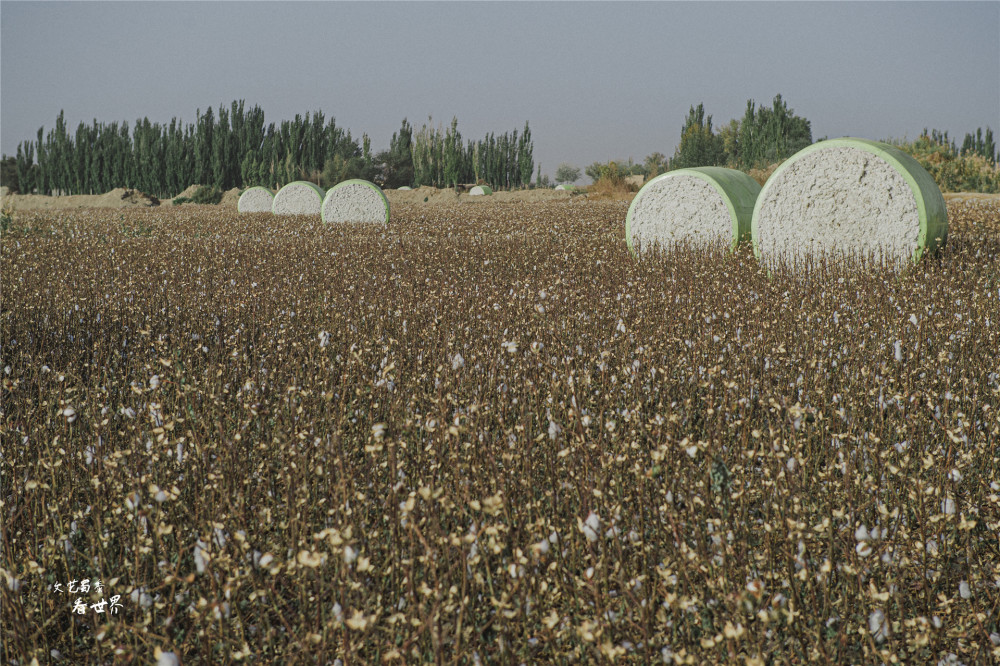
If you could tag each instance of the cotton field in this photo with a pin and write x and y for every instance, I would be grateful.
(489, 434)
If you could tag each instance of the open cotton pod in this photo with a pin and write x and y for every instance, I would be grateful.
(702, 206)
(298, 198)
(851, 199)
(355, 200)
(255, 200)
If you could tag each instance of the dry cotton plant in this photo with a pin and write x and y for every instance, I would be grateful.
(488, 434)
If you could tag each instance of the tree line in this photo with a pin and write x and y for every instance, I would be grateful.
(765, 135)
(437, 157)
(233, 147)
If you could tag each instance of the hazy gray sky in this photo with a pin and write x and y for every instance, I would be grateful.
(596, 80)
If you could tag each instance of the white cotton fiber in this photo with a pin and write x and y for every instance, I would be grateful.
(355, 201)
(848, 198)
(701, 207)
(255, 200)
(298, 198)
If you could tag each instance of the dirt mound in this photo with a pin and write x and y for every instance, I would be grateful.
(123, 198)
(430, 194)
(189, 191)
(230, 198)
(446, 196)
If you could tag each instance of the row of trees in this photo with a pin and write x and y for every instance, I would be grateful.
(981, 144)
(765, 135)
(234, 148)
(438, 157)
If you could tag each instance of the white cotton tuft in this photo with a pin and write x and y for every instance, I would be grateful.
(200, 555)
(878, 625)
(591, 526)
(167, 659)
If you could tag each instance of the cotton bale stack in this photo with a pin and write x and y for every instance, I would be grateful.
(355, 200)
(480, 190)
(701, 207)
(255, 200)
(848, 198)
(298, 198)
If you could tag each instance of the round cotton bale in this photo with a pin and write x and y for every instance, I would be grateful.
(355, 200)
(255, 200)
(405, 188)
(567, 188)
(298, 198)
(480, 190)
(848, 198)
(701, 206)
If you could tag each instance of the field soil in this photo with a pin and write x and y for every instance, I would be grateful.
(124, 198)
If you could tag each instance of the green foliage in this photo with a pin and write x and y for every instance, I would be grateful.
(232, 147)
(567, 173)
(654, 164)
(979, 145)
(8, 174)
(968, 170)
(767, 135)
(614, 170)
(764, 136)
(699, 146)
(503, 162)
(395, 166)
(6, 216)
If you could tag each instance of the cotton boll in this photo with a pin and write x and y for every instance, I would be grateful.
(591, 526)
(878, 626)
(166, 658)
(200, 556)
(964, 591)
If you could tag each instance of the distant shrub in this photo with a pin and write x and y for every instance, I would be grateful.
(951, 170)
(611, 182)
